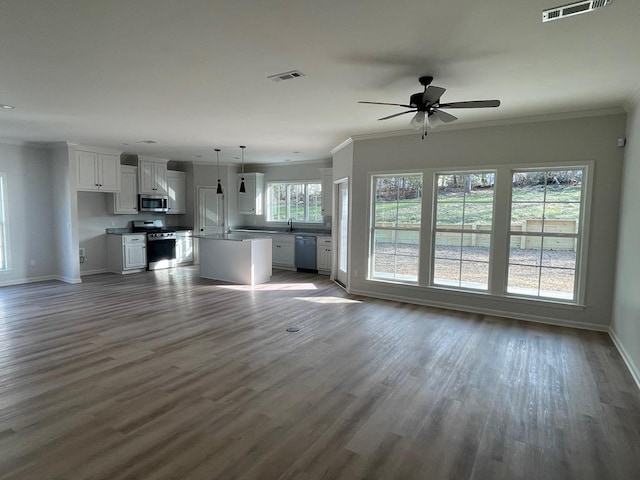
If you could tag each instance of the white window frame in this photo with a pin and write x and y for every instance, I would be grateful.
(372, 229)
(289, 184)
(435, 230)
(580, 236)
(501, 232)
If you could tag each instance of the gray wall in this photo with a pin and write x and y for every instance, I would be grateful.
(29, 214)
(586, 139)
(626, 312)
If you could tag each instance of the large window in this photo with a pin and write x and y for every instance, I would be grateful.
(395, 236)
(463, 229)
(300, 202)
(544, 234)
(3, 225)
(504, 231)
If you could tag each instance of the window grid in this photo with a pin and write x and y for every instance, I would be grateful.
(472, 273)
(292, 201)
(560, 281)
(395, 232)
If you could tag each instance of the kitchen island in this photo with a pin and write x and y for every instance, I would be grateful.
(235, 258)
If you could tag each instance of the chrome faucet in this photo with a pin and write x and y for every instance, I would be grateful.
(290, 223)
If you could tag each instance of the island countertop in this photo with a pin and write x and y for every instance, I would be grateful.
(235, 258)
(235, 237)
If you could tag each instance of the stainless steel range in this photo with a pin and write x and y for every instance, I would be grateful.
(161, 243)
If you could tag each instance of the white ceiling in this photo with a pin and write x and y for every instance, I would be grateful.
(192, 74)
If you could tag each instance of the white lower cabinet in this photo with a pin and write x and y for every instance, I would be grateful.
(127, 253)
(324, 256)
(184, 247)
(283, 251)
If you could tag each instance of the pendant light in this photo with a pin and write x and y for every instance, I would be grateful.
(242, 187)
(219, 189)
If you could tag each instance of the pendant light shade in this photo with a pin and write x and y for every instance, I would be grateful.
(219, 189)
(242, 187)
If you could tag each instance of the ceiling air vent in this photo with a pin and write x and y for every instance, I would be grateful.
(573, 9)
(286, 76)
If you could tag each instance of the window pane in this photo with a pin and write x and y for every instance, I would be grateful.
(448, 245)
(277, 202)
(557, 282)
(297, 204)
(525, 250)
(523, 280)
(478, 214)
(547, 203)
(524, 212)
(476, 247)
(446, 272)
(559, 252)
(475, 275)
(314, 192)
(528, 187)
(449, 215)
(561, 217)
(396, 254)
(564, 186)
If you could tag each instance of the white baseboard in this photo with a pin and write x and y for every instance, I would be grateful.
(20, 281)
(635, 371)
(94, 272)
(486, 311)
(67, 279)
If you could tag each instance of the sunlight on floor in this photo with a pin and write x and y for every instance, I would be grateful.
(327, 300)
(270, 286)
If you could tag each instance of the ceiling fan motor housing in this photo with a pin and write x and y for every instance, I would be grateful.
(416, 101)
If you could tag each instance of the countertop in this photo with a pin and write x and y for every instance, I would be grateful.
(127, 230)
(235, 237)
(275, 231)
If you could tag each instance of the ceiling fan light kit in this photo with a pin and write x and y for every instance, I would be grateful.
(427, 107)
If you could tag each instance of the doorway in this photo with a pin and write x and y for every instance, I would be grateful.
(210, 211)
(343, 233)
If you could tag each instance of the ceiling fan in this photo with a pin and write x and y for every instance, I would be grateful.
(428, 107)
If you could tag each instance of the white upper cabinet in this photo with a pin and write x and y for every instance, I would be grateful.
(250, 203)
(177, 191)
(126, 202)
(97, 171)
(152, 175)
(327, 191)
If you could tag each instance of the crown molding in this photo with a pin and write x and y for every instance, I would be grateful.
(346, 143)
(633, 101)
(494, 123)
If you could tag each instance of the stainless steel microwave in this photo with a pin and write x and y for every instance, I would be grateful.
(153, 203)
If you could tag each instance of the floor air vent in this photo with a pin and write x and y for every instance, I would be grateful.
(286, 76)
(573, 9)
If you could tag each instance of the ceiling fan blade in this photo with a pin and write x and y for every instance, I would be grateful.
(473, 104)
(443, 116)
(397, 115)
(394, 104)
(432, 94)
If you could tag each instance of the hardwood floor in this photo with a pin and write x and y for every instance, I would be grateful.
(163, 375)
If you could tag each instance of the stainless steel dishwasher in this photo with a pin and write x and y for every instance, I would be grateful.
(306, 252)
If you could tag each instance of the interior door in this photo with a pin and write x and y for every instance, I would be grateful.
(342, 246)
(210, 211)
